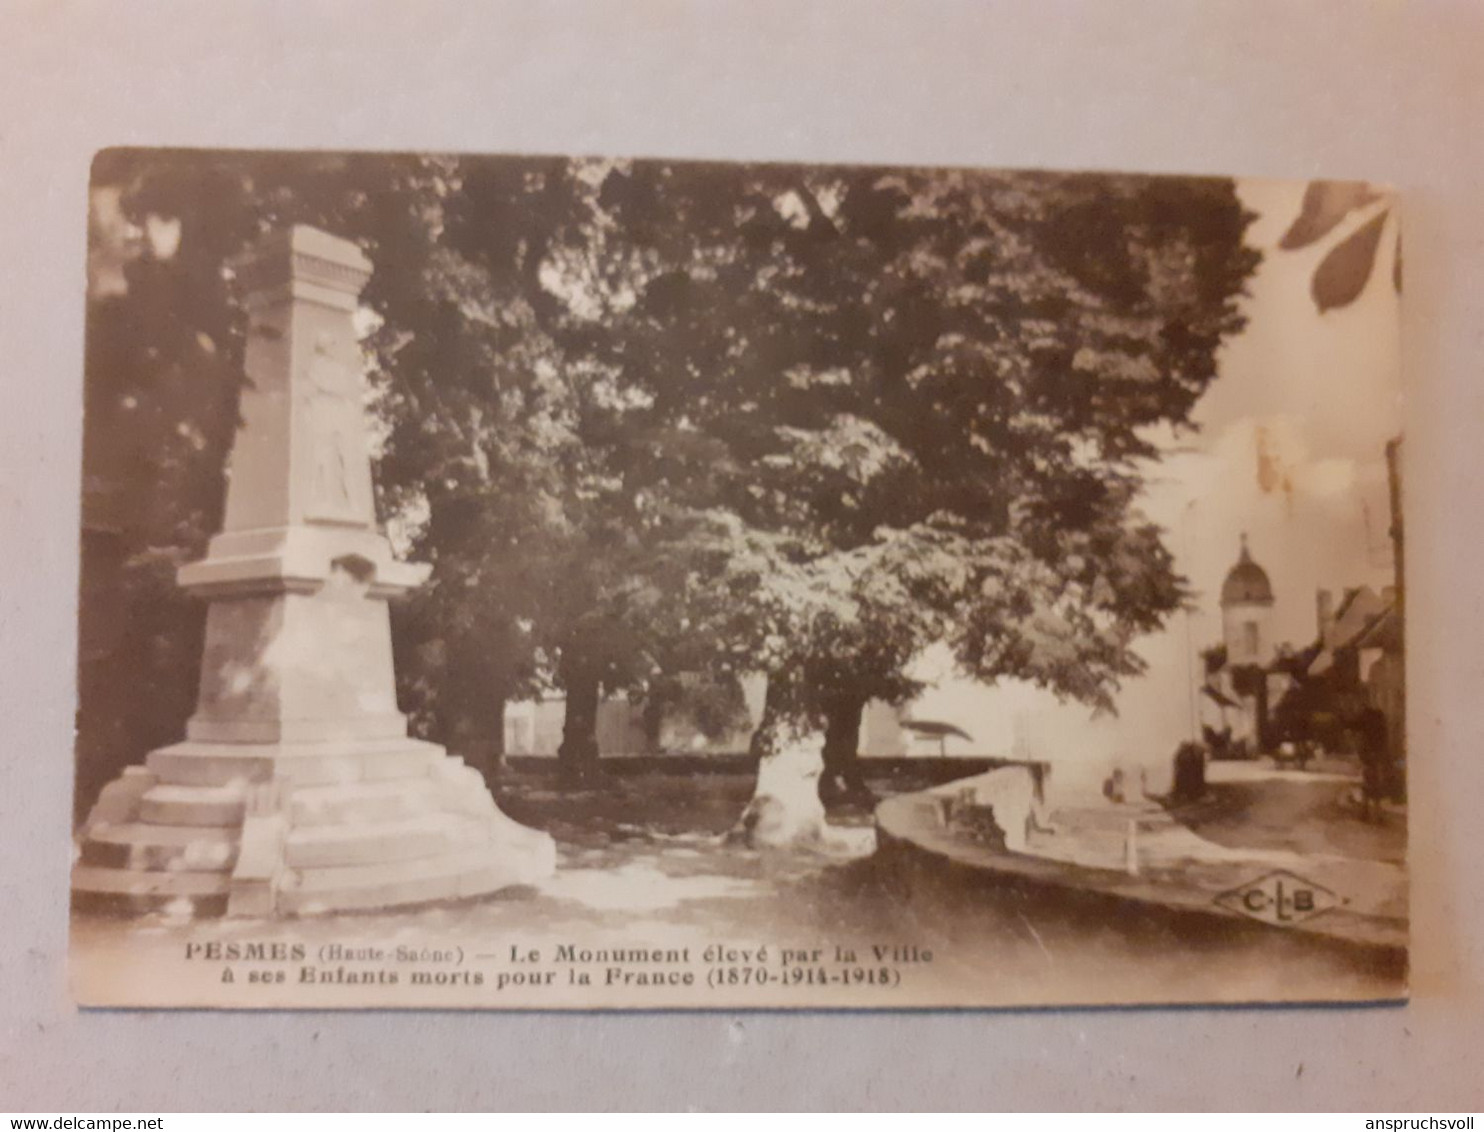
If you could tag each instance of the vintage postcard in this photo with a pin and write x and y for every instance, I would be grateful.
(587, 583)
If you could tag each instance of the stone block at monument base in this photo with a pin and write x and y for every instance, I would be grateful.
(354, 832)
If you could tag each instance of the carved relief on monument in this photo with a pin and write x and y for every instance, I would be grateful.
(334, 391)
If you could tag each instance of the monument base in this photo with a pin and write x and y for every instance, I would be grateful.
(211, 829)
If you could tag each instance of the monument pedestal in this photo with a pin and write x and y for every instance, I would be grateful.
(297, 789)
(295, 829)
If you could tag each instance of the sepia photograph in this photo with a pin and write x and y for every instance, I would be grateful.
(586, 583)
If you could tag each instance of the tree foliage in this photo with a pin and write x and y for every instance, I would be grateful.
(933, 397)
(652, 418)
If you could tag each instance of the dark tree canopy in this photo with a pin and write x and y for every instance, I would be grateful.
(655, 418)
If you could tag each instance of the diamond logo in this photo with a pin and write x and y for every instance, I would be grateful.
(1280, 898)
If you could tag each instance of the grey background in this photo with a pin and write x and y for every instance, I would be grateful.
(1385, 91)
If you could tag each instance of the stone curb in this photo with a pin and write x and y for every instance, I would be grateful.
(907, 825)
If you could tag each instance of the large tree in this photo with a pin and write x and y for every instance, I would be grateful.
(654, 417)
(613, 567)
(514, 456)
(939, 393)
(871, 409)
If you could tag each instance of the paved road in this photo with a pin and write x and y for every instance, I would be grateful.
(1255, 807)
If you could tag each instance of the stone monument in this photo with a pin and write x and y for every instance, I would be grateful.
(297, 789)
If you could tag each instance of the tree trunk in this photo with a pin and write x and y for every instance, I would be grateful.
(653, 719)
(785, 811)
(842, 780)
(577, 757)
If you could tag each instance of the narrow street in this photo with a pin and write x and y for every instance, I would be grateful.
(1254, 806)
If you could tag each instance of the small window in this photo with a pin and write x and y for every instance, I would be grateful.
(1249, 638)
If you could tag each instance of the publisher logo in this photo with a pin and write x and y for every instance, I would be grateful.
(1281, 898)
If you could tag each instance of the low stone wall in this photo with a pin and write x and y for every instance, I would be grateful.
(914, 832)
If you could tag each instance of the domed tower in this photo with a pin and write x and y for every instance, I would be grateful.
(1246, 609)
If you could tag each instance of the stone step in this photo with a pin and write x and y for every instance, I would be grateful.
(142, 847)
(449, 876)
(370, 843)
(389, 800)
(305, 764)
(132, 892)
(220, 806)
